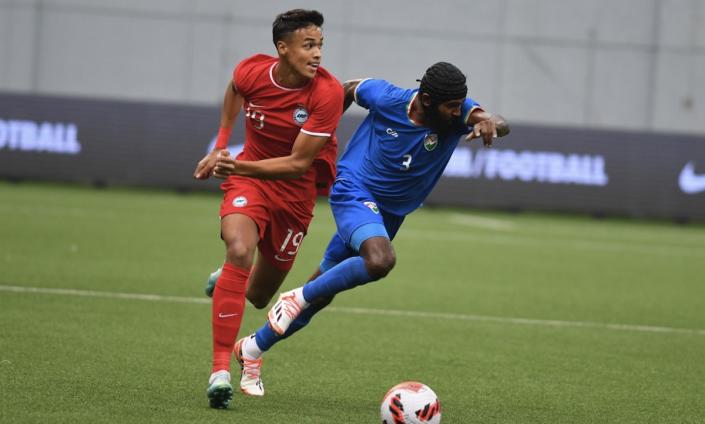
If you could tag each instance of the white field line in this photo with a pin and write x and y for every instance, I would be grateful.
(520, 321)
(482, 222)
(109, 295)
(368, 311)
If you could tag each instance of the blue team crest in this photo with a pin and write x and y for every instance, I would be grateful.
(373, 206)
(430, 142)
(300, 115)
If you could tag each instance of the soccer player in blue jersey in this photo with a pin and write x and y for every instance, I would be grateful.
(391, 164)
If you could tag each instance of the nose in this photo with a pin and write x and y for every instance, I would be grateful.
(456, 112)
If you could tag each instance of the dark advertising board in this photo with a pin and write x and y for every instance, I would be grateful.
(594, 171)
(535, 168)
(98, 141)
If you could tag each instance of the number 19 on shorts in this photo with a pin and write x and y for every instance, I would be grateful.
(294, 239)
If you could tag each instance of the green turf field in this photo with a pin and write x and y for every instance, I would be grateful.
(521, 318)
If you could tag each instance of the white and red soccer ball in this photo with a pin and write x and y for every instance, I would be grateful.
(411, 402)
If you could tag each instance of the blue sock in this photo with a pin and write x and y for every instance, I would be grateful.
(266, 337)
(346, 275)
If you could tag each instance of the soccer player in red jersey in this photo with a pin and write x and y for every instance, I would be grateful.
(292, 108)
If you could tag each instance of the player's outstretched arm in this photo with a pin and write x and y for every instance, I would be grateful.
(303, 153)
(232, 103)
(487, 126)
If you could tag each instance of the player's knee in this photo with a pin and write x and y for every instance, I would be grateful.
(239, 254)
(380, 264)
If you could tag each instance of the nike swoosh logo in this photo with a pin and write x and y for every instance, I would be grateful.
(222, 315)
(254, 105)
(282, 259)
(689, 182)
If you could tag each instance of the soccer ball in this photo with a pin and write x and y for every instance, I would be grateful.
(411, 402)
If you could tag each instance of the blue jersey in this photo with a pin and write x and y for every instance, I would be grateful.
(396, 160)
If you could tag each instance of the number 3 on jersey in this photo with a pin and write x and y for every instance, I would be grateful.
(407, 163)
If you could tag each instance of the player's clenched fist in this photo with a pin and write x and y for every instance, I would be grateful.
(224, 165)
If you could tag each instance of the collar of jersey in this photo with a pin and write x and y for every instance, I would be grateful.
(408, 111)
(271, 77)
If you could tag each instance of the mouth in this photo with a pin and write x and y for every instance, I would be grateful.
(313, 66)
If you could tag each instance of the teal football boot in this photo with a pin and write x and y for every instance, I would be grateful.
(220, 391)
(210, 285)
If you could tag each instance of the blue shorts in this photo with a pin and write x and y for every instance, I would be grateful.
(357, 218)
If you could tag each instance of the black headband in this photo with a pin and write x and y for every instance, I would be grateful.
(443, 82)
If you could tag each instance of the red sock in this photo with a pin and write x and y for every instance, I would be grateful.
(228, 308)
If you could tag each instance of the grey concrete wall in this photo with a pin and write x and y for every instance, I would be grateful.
(626, 64)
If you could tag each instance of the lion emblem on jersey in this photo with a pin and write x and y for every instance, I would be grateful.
(430, 142)
(300, 115)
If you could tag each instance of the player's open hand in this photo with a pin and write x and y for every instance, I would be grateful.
(487, 130)
(205, 166)
(224, 165)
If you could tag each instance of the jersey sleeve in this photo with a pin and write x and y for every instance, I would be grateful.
(326, 110)
(369, 91)
(468, 106)
(243, 76)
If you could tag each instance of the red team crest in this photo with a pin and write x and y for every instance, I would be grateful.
(300, 115)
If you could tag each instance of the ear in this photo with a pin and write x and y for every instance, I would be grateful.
(281, 48)
(426, 99)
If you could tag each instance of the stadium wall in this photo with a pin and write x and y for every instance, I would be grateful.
(541, 168)
(613, 64)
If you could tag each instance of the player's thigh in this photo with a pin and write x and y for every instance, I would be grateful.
(377, 246)
(239, 228)
(278, 249)
(375, 241)
(353, 207)
(288, 225)
(244, 215)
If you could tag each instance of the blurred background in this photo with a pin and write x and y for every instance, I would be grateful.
(626, 64)
(533, 317)
(605, 97)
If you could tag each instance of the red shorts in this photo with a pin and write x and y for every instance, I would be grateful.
(282, 224)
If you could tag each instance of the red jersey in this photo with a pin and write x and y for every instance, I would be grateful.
(274, 116)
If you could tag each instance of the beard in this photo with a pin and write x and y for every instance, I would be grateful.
(437, 123)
